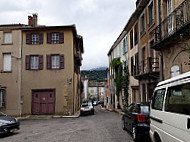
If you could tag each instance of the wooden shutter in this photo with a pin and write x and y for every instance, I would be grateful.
(27, 61)
(48, 58)
(61, 37)
(28, 39)
(40, 62)
(40, 38)
(49, 38)
(61, 61)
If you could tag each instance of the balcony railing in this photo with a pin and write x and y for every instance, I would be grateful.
(149, 65)
(178, 19)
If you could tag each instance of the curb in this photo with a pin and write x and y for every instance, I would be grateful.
(31, 117)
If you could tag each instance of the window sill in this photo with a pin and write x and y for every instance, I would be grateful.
(5, 71)
(7, 44)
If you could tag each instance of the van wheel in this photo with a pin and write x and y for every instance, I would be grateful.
(134, 133)
(157, 138)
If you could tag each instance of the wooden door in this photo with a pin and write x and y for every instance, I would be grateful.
(43, 102)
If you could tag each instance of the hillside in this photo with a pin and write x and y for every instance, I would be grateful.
(94, 75)
(100, 68)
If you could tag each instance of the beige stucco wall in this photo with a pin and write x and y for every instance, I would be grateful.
(50, 79)
(175, 55)
(11, 80)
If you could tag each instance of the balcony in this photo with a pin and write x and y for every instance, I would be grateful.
(175, 27)
(148, 68)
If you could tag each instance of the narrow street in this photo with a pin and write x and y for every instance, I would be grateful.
(104, 126)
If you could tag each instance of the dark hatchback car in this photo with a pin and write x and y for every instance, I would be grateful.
(136, 120)
(8, 124)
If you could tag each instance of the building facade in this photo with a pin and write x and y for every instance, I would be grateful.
(172, 38)
(10, 68)
(148, 68)
(44, 69)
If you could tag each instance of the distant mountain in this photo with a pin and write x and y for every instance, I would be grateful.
(98, 69)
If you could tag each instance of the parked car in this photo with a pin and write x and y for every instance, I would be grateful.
(136, 120)
(8, 124)
(170, 110)
(101, 102)
(95, 103)
(87, 108)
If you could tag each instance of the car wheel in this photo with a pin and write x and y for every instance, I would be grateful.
(134, 133)
(123, 124)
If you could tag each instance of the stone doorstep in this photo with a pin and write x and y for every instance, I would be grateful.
(33, 117)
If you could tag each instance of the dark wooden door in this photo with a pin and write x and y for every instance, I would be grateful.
(43, 102)
(36, 103)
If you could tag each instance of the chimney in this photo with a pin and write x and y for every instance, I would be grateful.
(35, 20)
(30, 20)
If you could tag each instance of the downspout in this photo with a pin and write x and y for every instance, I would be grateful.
(21, 102)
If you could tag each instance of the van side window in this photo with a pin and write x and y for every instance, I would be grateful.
(178, 99)
(158, 98)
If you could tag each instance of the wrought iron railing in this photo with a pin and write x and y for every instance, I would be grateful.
(149, 65)
(179, 18)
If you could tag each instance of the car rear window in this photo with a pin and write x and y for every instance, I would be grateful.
(84, 105)
(145, 109)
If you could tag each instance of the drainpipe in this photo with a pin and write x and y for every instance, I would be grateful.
(21, 102)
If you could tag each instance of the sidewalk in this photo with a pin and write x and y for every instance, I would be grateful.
(33, 117)
(116, 110)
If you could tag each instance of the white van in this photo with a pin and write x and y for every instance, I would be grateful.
(170, 110)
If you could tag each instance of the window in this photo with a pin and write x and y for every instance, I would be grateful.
(178, 99)
(131, 39)
(158, 98)
(34, 38)
(142, 24)
(145, 109)
(124, 49)
(55, 61)
(136, 67)
(55, 38)
(132, 65)
(2, 98)
(8, 38)
(150, 14)
(119, 49)
(126, 44)
(34, 62)
(136, 34)
(7, 62)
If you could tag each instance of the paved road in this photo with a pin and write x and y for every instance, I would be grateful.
(104, 126)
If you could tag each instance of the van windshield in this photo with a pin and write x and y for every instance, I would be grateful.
(178, 99)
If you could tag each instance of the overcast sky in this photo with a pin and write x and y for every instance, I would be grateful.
(99, 21)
